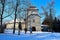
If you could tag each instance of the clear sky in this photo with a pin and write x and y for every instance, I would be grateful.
(39, 3)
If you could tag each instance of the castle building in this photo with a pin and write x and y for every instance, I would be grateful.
(32, 20)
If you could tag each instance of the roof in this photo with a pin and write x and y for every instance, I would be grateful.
(17, 20)
(34, 14)
(46, 22)
(44, 26)
(32, 8)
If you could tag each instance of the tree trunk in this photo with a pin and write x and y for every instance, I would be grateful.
(2, 14)
(1, 20)
(14, 24)
(15, 18)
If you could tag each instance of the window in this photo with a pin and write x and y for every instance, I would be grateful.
(33, 20)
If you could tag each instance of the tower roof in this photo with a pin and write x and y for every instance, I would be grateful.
(34, 14)
(32, 8)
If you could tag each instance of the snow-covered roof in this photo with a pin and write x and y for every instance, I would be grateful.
(17, 20)
(44, 25)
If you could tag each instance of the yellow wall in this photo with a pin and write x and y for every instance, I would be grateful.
(11, 25)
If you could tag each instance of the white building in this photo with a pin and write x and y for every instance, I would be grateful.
(33, 20)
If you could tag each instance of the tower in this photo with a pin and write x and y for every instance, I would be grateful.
(33, 19)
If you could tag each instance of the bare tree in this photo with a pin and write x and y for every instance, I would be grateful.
(3, 12)
(3, 4)
(49, 13)
(16, 6)
(22, 10)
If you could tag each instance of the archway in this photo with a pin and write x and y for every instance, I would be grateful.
(33, 28)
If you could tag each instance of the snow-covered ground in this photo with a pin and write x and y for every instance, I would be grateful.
(34, 36)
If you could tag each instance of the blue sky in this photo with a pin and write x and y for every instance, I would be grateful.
(39, 3)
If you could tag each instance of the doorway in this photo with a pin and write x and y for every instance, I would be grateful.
(33, 28)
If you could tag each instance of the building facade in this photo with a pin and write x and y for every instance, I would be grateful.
(33, 20)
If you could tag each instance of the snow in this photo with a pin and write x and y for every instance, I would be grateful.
(12, 21)
(34, 36)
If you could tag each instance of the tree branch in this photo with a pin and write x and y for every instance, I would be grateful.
(7, 16)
